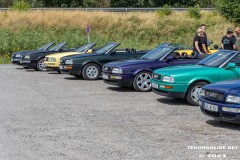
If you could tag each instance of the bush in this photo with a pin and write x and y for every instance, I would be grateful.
(194, 12)
(166, 11)
(20, 6)
(229, 9)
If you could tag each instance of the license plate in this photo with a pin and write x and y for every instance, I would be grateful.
(211, 107)
(104, 76)
(60, 67)
(155, 85)
(26, 61)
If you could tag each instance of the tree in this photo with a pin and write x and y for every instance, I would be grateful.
(230, 9)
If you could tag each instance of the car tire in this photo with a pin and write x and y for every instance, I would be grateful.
(91, 71)
(142, 82)
(194, 92)
(40, 65)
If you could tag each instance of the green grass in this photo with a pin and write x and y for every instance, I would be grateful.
(30, 30)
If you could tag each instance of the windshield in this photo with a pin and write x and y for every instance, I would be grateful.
(217, 59)
(57, 47)
(157, 53)
(106, 48)
(47, 46)
(85, 47)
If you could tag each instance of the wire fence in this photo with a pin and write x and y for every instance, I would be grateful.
(111, 9)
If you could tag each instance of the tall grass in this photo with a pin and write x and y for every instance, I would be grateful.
(31, 29)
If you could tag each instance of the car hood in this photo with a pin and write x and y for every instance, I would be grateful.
(80, 56)
(126, 63)
(63, 54)
(232, 86)
(186, 74)
(22, 52)
(37, 52)
(174, 70)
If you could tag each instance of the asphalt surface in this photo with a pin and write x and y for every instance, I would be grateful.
(45, 116)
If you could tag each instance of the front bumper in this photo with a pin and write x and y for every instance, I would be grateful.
(220, 114)
(170, 89)
(16, 61)
(28, 63)
(118, 79)
(52, 66)
(180, 95)
(74, 70)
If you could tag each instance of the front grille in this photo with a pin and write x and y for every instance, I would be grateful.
(214, 114)
(157, 76)
(107, 69)
(214, 96)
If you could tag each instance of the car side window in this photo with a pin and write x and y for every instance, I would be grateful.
(235, 60)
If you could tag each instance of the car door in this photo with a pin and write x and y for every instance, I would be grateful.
(232, 73)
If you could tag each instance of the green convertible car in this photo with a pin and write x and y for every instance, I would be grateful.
(186, 82)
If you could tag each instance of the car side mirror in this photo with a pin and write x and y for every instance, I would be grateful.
(169, 58)
(231, 65)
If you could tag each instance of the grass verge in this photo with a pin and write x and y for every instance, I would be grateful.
(31, 29)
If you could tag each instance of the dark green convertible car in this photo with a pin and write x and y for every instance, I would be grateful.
(89, 66)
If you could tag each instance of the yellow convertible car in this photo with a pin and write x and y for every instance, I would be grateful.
(189, 52)
(52, 61)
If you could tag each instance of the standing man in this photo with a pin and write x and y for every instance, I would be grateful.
(238, 38)
(205, 48)
(229, 41)
(199, 42)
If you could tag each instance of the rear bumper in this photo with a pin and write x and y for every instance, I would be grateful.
(118, 79)
(221, 114)
(180, 95)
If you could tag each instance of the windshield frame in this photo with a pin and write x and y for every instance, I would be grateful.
(58, 46)
(171, 49)
(88, 45)
(228, 52)
(115, 44)
(46, 46)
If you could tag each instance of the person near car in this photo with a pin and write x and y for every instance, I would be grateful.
(238, 38)
(203, 27)
(199, 45)
(229, 41)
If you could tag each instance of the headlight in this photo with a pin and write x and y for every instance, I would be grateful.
(27, 57)
(156, 76)
(203, 93)
(233, 99)
(52, 59)
(18, 56)
(168, 79)
(69, 61)
(117, 70)
(234, 110)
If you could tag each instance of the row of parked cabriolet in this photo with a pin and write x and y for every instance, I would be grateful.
(166, 70)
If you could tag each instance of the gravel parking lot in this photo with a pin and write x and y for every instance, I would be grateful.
(52, 116)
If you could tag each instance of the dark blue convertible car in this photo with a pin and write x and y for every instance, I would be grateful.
(137, 73)
(222, 101)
